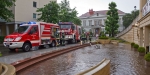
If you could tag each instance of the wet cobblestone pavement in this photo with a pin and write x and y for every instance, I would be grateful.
(10, 57)
(124, 61)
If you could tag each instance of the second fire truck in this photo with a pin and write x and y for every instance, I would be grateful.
(72, 32)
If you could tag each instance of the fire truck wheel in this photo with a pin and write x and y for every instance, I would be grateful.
(26, 47)
(53, 44)
(11, 49)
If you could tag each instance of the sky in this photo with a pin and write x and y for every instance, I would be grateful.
(83, 6)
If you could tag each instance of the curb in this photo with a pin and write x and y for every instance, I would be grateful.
(8, 69)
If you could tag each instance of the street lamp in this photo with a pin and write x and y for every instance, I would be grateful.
(135, 11)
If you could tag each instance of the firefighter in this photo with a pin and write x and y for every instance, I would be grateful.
(83, 37)
(90, 37)
(63, 38)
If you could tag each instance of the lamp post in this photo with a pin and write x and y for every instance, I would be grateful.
(135, 11)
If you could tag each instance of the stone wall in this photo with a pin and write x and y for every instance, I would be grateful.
(131, 35)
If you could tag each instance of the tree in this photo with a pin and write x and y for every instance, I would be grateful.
(65, 11)
(112, 20)
(49, 13)
(127, 20)
(77, 21)
(5, 13)
(53, 13)
(67, 14)
(129, 17)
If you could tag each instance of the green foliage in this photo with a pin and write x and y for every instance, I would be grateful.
(129, 17)
(102, 37)
(112, 20)
(53, 13)
(102, 34)
(147, 57)
(91, 34)
(5, 13)
(67, 14)
(2, 39)
(132, 44)
(141, 49)
(0, 54)
(136, 46)
(122, 41)
(49, 13)
(112, 38)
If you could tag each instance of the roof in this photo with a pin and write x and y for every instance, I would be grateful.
(102, 12)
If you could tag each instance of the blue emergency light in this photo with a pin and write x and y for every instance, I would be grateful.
(23, 23)
(31, 22)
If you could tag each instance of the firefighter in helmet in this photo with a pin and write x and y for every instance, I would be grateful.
(84, 37)
(63, 38)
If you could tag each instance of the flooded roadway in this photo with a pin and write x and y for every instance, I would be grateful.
(123, 62)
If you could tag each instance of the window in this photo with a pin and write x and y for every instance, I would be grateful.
(34, 15)
(104, 21)
(100, 22)
(34, 4)
(34, 29)
(120, 22)
(22, 29)
(97, 14)
(84, 23)
(65, 26)
(95, 22)
(90, 22)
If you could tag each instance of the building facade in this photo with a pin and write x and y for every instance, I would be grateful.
(95, 20)
(143, 24)
(24, 11)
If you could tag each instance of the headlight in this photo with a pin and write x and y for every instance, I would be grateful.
(18, 38)
(5, 39)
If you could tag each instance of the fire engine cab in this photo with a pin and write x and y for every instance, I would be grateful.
(31, 35)
(72, 31)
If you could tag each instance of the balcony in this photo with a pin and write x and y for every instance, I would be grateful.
(93, 26)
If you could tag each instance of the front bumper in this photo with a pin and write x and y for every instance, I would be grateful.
(13, 45)
(69, 37)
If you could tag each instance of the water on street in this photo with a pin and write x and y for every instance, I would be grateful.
(124, 61)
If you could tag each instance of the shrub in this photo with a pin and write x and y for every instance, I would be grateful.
(103, 38)
(136, 46)
(132, 44)
(141, 49)
(2, 39)
(147, 57)
(113, 38)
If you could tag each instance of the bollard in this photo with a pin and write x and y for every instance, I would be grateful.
(80, 42)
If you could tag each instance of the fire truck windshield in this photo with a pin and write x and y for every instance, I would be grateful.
(22, 29)
(65, 26)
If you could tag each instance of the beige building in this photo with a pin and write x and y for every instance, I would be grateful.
(144, 24)
(24, 11)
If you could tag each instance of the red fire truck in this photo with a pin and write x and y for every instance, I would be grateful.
(72, 31)
(31, 35)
